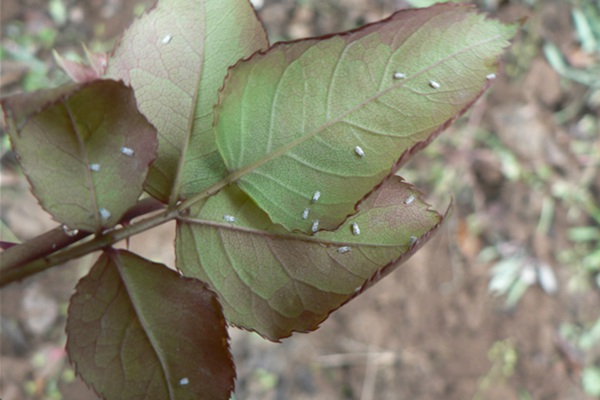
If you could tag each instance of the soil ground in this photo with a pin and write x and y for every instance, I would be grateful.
(430, 330)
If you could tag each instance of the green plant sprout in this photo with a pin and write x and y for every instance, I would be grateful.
(276, 161)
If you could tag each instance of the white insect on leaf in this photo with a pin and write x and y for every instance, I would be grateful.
(184, 381)
(104, 213)
(229, 218)
(69, 232)
(305, 213)
(343, 249)
(359, 151)
(316, 196)
(127, 151)
(399, 75)
(355, 229)
(409, 200)
(434, 84)
(490, 77)
(95, 167)
(167, 38)
(412, 240)
(315, 226)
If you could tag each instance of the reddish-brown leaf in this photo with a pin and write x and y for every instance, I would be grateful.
(138, 330)
(85, 149)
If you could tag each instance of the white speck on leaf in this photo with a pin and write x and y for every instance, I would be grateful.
(305, 213)
(104, 213)
(343, 249)
(70, 232)
(434, 84)
(184, 381)
(359, 151)
(399, 75)
(229, 218)
(489, 77)
(95, 167)
(409, 200)
(355, 229)
(167, 38)
(316, 196)
(315, 226)
(127, 151)
(412, 240)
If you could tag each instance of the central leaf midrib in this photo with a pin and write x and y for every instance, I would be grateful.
(276, 235)
(118, 261)
(174, 197)
(88, 172)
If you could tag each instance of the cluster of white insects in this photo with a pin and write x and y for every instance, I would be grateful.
(435, 84)
(315, 226)
(359, 151)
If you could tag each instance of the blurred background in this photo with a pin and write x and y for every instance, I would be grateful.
(503, 304)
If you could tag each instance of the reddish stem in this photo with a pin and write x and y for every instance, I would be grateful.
(14, 258)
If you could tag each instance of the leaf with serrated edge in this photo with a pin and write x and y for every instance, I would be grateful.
(70, 140)
(274, 282)
(175, 57)
(138, 330)
(289, 121)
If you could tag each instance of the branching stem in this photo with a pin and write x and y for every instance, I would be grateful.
(55, 247)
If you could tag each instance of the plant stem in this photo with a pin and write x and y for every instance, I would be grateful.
(20, 262)
(44, 251)
(41, 246)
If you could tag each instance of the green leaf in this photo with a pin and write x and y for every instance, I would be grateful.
(175, 57)
(138, 330)
(275, 282)
(288, 121)
(85, 149)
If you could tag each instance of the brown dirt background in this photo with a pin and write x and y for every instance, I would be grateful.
(427, 330)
